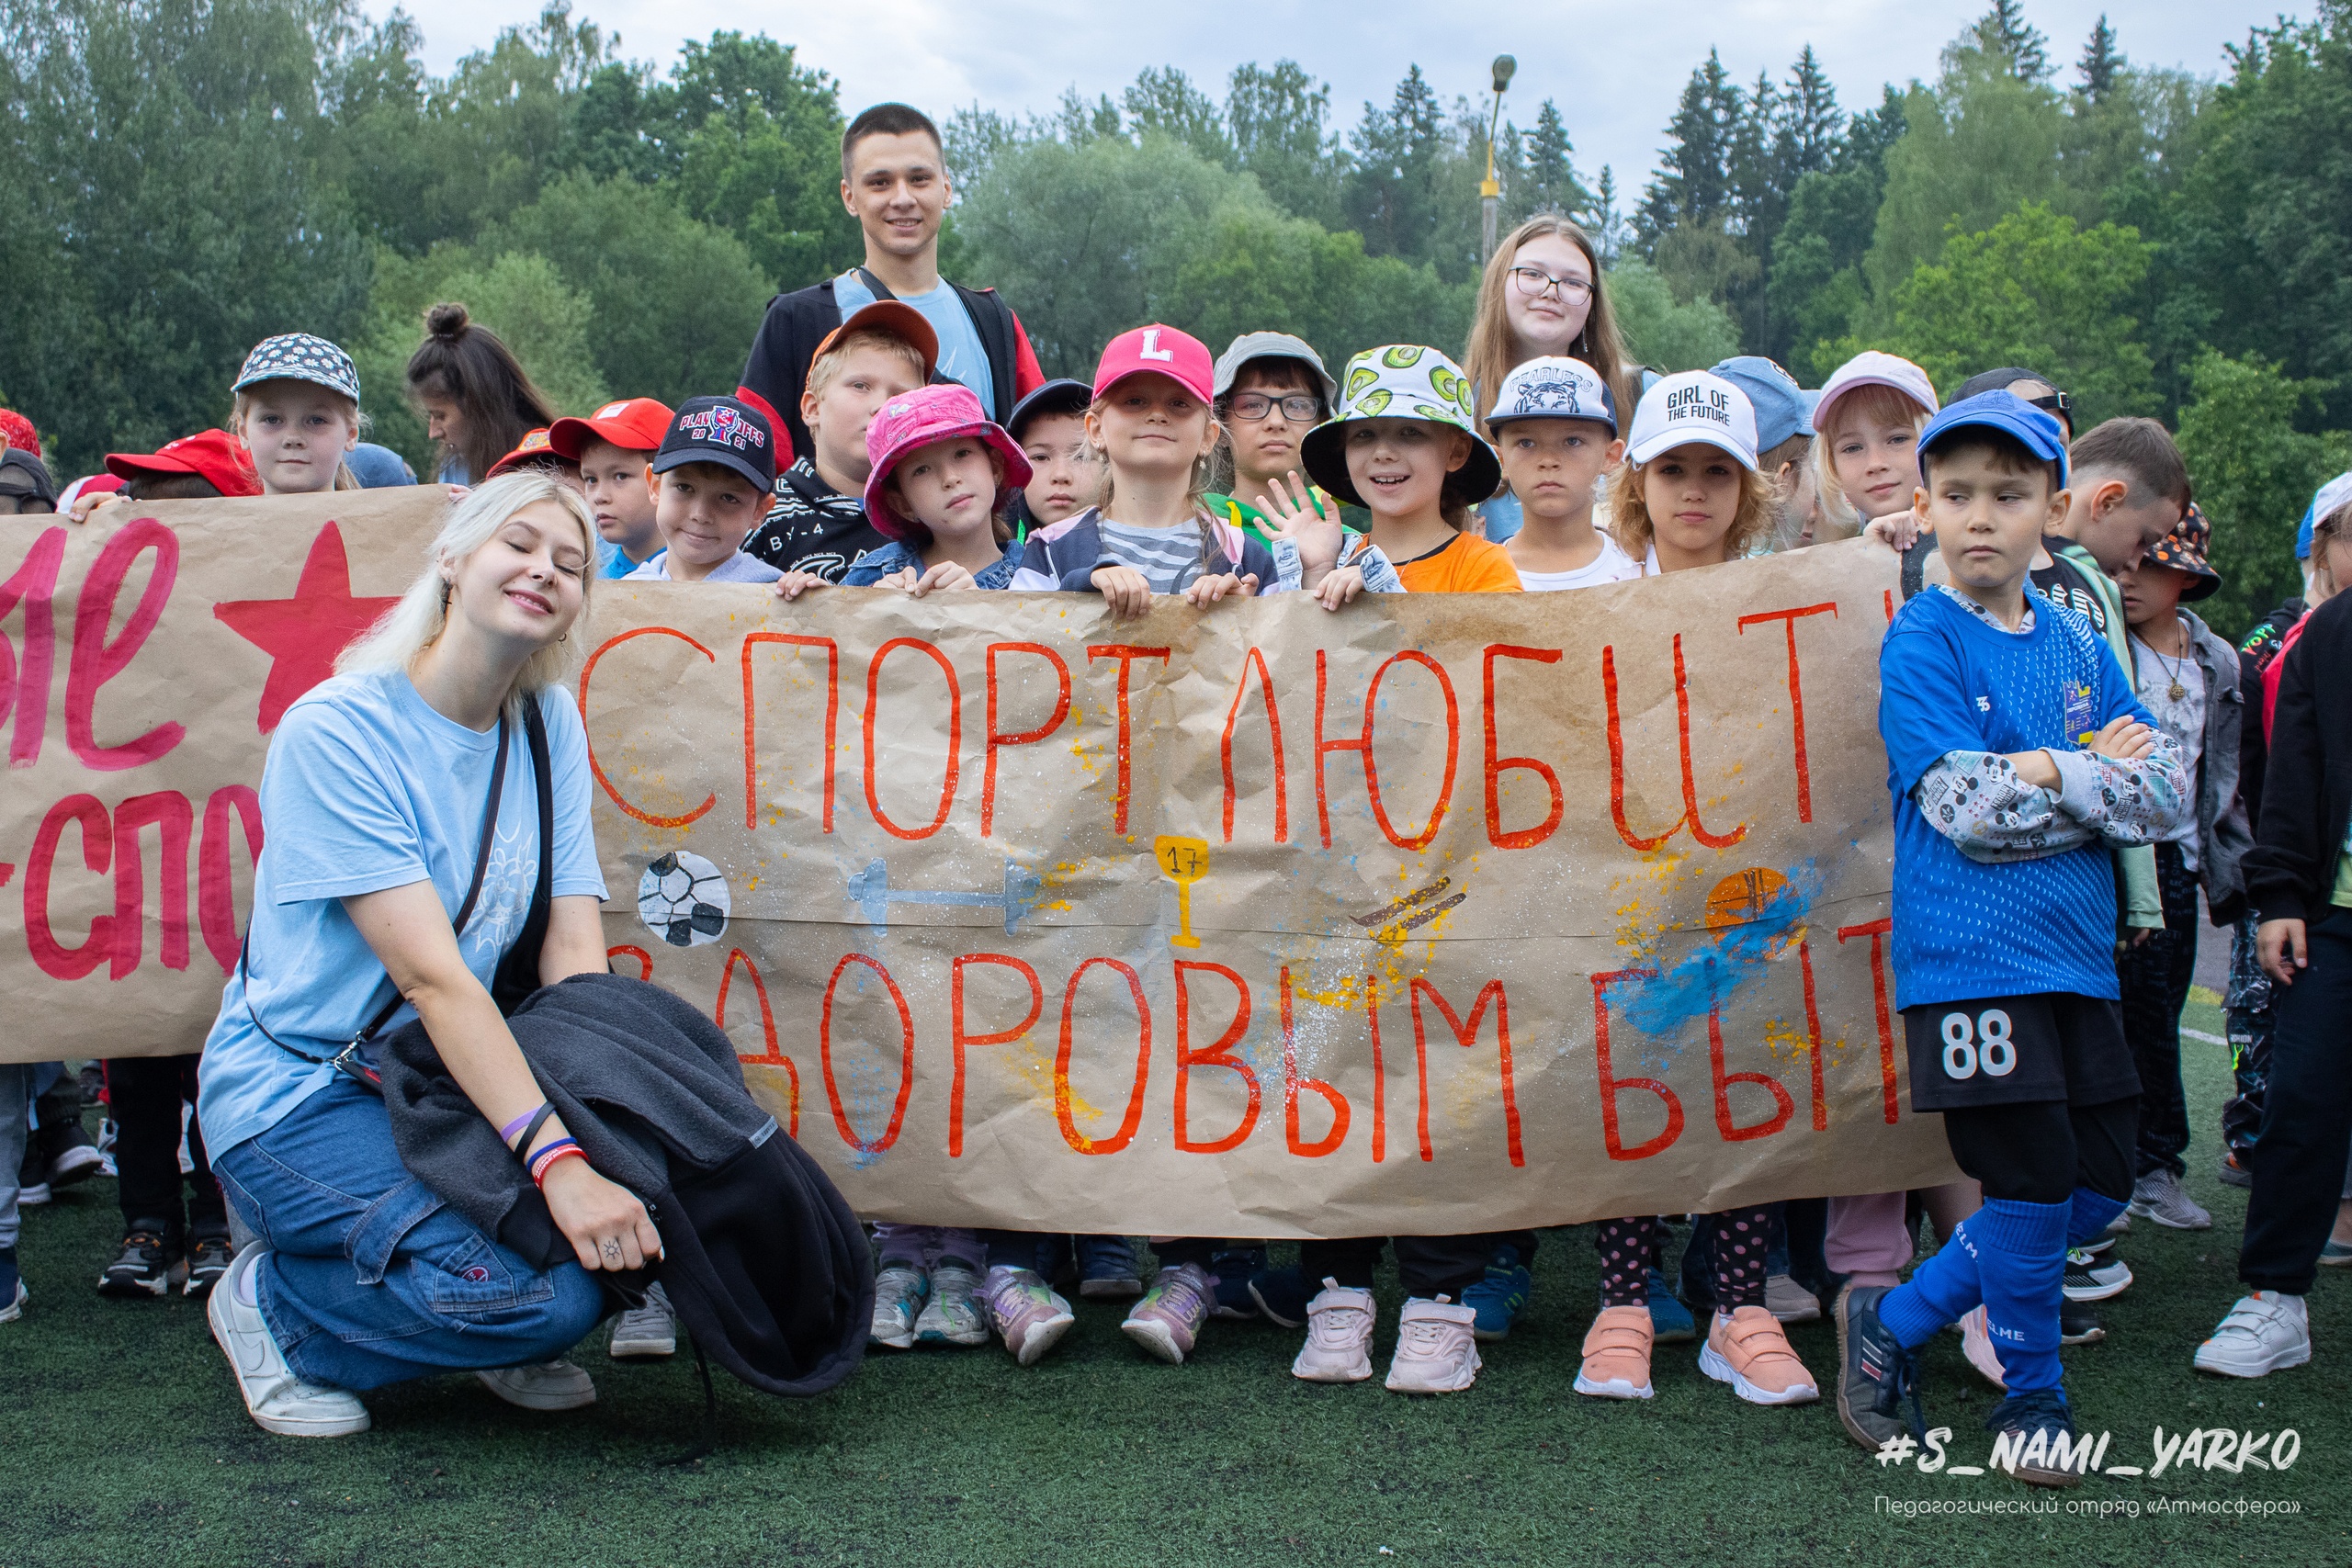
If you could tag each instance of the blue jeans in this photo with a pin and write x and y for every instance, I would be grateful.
(369, 1278)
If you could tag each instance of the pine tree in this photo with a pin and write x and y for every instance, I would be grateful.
(1550, 183)
(1811, 128)
(1607, 225)
(1391, 197)
(1693, 185)
(2004, 32)
(2101, 63)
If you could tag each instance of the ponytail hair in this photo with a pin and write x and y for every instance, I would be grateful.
(466, 365)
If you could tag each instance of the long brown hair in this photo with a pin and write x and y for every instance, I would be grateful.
(1490, 354)
(463, 363)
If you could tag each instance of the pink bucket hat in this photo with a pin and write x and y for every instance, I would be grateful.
(918, 419)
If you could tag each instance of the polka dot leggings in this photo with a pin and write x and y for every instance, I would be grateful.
(1629, 1248)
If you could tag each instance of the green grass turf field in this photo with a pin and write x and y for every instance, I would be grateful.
(122, 1443)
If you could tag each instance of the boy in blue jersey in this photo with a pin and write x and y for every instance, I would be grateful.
(2017, 753)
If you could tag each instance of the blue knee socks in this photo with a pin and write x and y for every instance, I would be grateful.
(1943, 1289)
(2021, 1258)
(2090, 1215)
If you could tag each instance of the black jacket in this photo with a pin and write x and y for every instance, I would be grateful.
(765, 1263)
(2307, 787)
(797, 322)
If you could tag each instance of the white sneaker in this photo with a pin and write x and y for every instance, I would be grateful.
(2264, 1332)
(645, 1333)
(16, 1309)
(278, 1400)
(548, 1385)
(2158, 1196)
(1790, 1301)
(953, 1315)
(1338, 1336)
(898, 1292)
(1436, 1352)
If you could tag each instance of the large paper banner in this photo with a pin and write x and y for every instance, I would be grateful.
(1430, 915)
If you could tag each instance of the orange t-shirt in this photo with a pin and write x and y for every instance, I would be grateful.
(1464, 564)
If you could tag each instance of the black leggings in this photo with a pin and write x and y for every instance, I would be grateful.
(2038, 1153)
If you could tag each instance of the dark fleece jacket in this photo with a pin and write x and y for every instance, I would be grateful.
(765, 1263)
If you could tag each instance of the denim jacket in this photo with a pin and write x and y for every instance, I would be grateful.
(898, 556)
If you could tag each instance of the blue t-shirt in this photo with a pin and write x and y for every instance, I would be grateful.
(368, 788)
(1951, 681)
(960, 354)
(612, 561)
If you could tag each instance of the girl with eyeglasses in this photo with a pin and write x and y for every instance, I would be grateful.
(1543, 294)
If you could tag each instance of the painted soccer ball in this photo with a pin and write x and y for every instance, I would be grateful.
(683, 899)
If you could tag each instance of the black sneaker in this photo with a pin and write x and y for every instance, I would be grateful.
(145, 1268)
(1876, 1374)
(2077, 1324)
(207, 1259)
(2035, 1434)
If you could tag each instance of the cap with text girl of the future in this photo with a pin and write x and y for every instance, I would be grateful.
(1694, 406)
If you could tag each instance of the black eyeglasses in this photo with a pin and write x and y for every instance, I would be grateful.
(1299, 408)
(1534, 282)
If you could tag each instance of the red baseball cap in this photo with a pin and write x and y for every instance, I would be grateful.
(634, 424)
(1159, 350)
(899, 319)
(213, 456)
(533, 451)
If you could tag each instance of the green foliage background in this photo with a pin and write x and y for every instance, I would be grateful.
(190, 176)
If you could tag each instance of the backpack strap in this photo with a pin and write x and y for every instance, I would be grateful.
(992, 318)
(518, 972)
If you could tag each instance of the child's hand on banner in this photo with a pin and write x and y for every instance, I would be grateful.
(1202, 591)
(792, 585)
(1126, 591)
(945, 575)
(1339, 587)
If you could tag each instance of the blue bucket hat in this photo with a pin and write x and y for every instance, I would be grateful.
(2007, 413)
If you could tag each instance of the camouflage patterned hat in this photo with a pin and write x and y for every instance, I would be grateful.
(1402, 380)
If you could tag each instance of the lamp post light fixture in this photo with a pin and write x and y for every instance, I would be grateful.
(1490, 192)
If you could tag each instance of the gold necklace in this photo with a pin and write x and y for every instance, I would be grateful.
(2172, 669)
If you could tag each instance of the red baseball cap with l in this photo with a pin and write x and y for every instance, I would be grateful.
(213, 456)
(634, 424)
(1158, 351)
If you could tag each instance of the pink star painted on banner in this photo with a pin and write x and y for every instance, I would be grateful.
(303, 635)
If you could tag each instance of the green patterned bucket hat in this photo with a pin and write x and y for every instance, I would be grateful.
(1402, 380)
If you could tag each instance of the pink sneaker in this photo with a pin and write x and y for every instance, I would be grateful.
(1749, 1350)
(1027, 1314)
(1976, 1344)
(1338, 1337)
(1168, 1319)
(1436, 1352)
(1617, 1355)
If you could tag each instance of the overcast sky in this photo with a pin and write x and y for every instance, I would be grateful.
(1614, 71)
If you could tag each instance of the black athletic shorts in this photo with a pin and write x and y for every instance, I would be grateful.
(2052, 1046)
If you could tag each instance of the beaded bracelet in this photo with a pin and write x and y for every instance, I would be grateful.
(562, 1148)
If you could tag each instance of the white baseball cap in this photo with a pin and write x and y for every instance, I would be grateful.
(1551, 387)
(1872, 368)
(1696, 405)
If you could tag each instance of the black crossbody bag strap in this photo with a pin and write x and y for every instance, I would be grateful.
(349, 1061)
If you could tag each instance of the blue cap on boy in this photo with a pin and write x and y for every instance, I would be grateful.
(2006, 411)
(726, 430)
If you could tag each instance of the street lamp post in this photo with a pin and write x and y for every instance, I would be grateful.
(1490, 192)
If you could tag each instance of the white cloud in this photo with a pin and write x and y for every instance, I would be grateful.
(1615, 72)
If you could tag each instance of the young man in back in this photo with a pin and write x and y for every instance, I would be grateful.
(895, 183)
